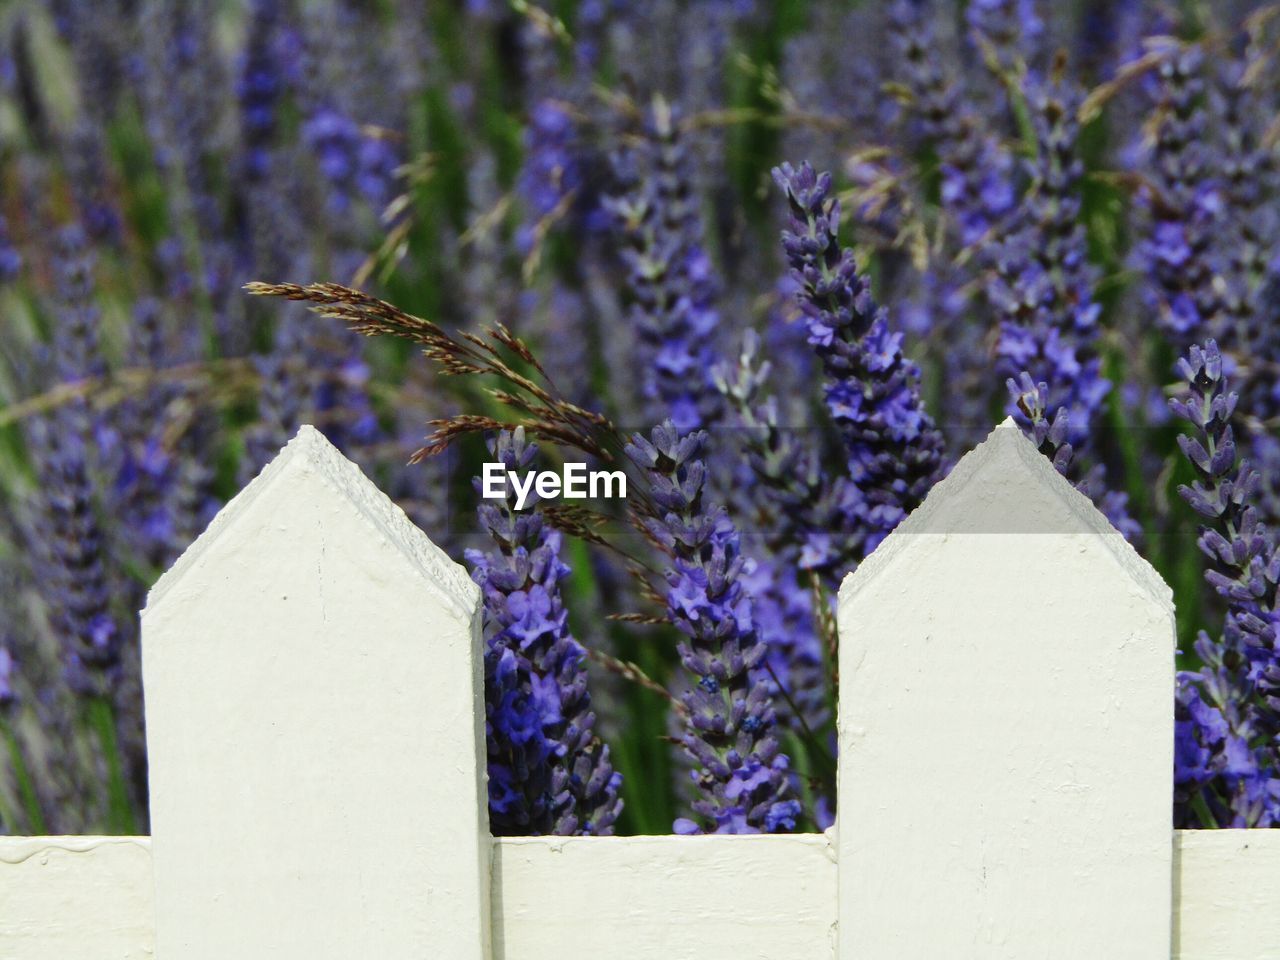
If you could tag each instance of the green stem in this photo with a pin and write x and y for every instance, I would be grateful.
(1202, 812)
(8, 822)
(102, 719)
(798, 751)
(26, 789)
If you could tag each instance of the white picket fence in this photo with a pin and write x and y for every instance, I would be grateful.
(314, 703)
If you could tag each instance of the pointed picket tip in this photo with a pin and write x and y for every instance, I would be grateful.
(1005, 485)
(311, 454)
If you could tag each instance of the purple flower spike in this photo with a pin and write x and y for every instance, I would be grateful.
(1042, 287)
(1183, 202)
(977, 186)
(670, 275)
(548, 771)
(1012, 28)
(75, 545)
(1228, 712)
(741, 773)
(1042, 290)
(8, 667)
(895, 453)
(10, 258)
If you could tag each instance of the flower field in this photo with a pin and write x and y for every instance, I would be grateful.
(781, 263)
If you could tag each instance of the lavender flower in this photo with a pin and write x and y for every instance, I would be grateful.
(1012, 28)
(368, 70)
(1050, 428)
(164, 476)
(8, 705)
(741, 773)
(895, 453)
(1248, 171)
(799, 508)
(278, 208)
(313, 374)
(1228, 720)
(147, 464)
(1111, 29)
(977, 172)
(791, 496)
(1042, 287)
(557, 180)
(339, 398)
(186, 85)
(75, 545)
(1049, 435)
(8, 669)
(679, 50)
(670, 275)
(794, 669)
(10, 258)
(548, 772)
(285, 386)
(355, 164)
(187, 89)
(273, 133)
(956, 316)
(943, 117)
(100, 38)
(344, 106)
(87, 172)
(1182, 203)
(261, 87)
(552, 177)
(1260, 396)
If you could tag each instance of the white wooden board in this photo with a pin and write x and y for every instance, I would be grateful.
(643, 898)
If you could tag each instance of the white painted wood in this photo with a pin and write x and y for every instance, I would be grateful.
(1006, 728)
(632, 898)
(583, 898)
(313, 697)
(1227, 887)
(87, 898)
(665, 898)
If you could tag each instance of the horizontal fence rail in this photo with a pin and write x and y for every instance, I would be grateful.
(315, 734)
(625, 898)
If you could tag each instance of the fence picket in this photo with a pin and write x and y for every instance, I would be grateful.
(1006, 728)
(314, 712)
